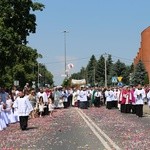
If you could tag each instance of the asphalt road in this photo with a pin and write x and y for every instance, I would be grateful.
(76, 129)
(71, 133)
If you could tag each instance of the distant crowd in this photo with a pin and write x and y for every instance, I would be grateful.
(18, 105)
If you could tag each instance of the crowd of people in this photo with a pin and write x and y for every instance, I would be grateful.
(18, 105)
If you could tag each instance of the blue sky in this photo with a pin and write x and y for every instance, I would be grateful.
(93, 26)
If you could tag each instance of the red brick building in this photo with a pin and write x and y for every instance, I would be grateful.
(144, 51)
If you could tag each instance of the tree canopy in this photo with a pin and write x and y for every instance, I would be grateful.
(18, 61)
(140, 75)
(95, 71)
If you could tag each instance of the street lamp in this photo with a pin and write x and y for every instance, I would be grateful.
(38, 70)
(65, 51)
(105, 56)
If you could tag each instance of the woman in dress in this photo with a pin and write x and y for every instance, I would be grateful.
(32, 99)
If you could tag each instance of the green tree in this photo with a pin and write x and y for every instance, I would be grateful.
(16, 23)
(126, 75)
(80, 75)
(100, 71)
(120, 69)
(18, 61)
(76, 76)
(131, 68)
(17, 16)
(46, 78)
(83, 73)
(109, 64)
(66, 82)
(97, 68)
(146, 79)
(91, 70)
(140, 74)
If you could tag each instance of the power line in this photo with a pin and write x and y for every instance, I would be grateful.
(121, 58)
(78, 59)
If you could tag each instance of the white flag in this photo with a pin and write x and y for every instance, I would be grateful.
(40, 75)
(70, 66)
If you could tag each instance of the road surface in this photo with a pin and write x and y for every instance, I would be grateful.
(78, 129)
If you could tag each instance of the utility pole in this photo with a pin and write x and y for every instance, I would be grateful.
(105, 56)
(94, 75)
(38, 76)
(44, 74)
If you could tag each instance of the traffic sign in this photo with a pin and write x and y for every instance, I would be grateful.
(120, 84)
(114, 80)
(120, 79)
(16, 82)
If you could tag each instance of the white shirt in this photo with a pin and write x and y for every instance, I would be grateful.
(44, 95)
(148, 97)
(116, 95)
(109, 95)
(139, 96)
(83, 96)
(97, 94)
(8, 104)
(23, 106)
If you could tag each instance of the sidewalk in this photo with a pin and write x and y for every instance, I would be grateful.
(146, 109)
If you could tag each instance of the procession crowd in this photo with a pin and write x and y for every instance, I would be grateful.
(18, 105)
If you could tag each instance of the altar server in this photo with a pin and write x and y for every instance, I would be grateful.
(109, 95)
(139, 98)
(83, 98)
(24, 108)
(148, 97)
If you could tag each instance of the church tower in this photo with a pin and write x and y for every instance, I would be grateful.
(144, 51)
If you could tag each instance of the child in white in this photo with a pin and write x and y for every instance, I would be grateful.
(51, 106)
(41, 106)
(3, 113)
(16, 114)
(2, 122)
(9, 113)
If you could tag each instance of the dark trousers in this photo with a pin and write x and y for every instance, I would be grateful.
(115, 104)
(123, 108)
(66, 104)
(23, 122)
(69, 100)
(46, 112)
(128, 108)
(97, 102)
(104, 99)
(109, 105)
(139, 110)
(83, 105)
(133, 109)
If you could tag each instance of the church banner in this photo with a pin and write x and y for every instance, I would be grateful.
(78, 82)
